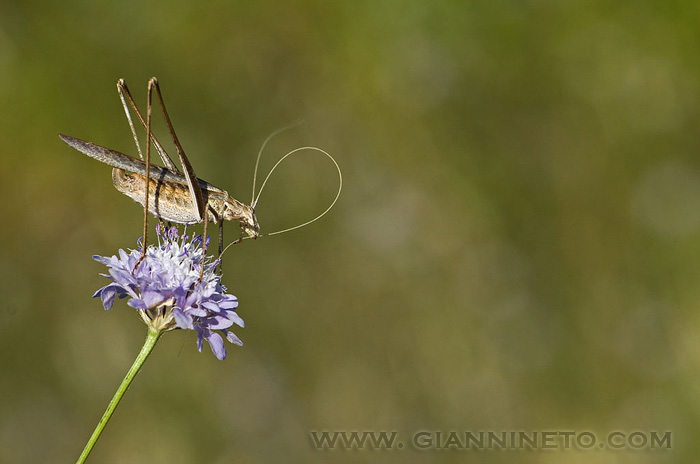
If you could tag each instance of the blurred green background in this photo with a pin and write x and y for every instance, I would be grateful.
(516, 246)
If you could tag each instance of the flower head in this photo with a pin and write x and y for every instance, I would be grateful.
(166, 290)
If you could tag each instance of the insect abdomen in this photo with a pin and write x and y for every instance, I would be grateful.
(168, 201)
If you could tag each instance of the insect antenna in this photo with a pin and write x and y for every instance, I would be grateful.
(257, 160)
(255, 199)
(337, 195)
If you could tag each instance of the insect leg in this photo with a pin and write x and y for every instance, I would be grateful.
(192, 182)
(124, 92)
(147, 180)
(204, 246)
(121, 89)
(221, 237)
(221, 246)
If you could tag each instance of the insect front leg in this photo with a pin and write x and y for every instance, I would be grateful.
(240, 239)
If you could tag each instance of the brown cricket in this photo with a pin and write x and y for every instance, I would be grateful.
(174, 195)
(169, 193)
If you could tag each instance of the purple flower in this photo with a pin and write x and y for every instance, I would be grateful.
(167, 292)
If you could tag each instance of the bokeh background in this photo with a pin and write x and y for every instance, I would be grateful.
(516, 246)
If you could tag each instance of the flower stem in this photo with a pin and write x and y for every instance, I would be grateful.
(151, 340)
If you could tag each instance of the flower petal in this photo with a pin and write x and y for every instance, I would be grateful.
(102, 259)
(184, 321)
(137, 303)
(211, 306)
(200, 337)
(218, 322)
(229, 303)
(235, 318)
(217, 345)
(230, 336)
(153, 298)
(107, 295)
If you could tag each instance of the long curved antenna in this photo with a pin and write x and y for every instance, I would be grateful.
(257, 160)
(337, 195)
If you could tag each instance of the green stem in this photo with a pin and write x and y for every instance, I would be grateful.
(151, 340)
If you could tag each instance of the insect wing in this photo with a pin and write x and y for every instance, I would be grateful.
(120, 160)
